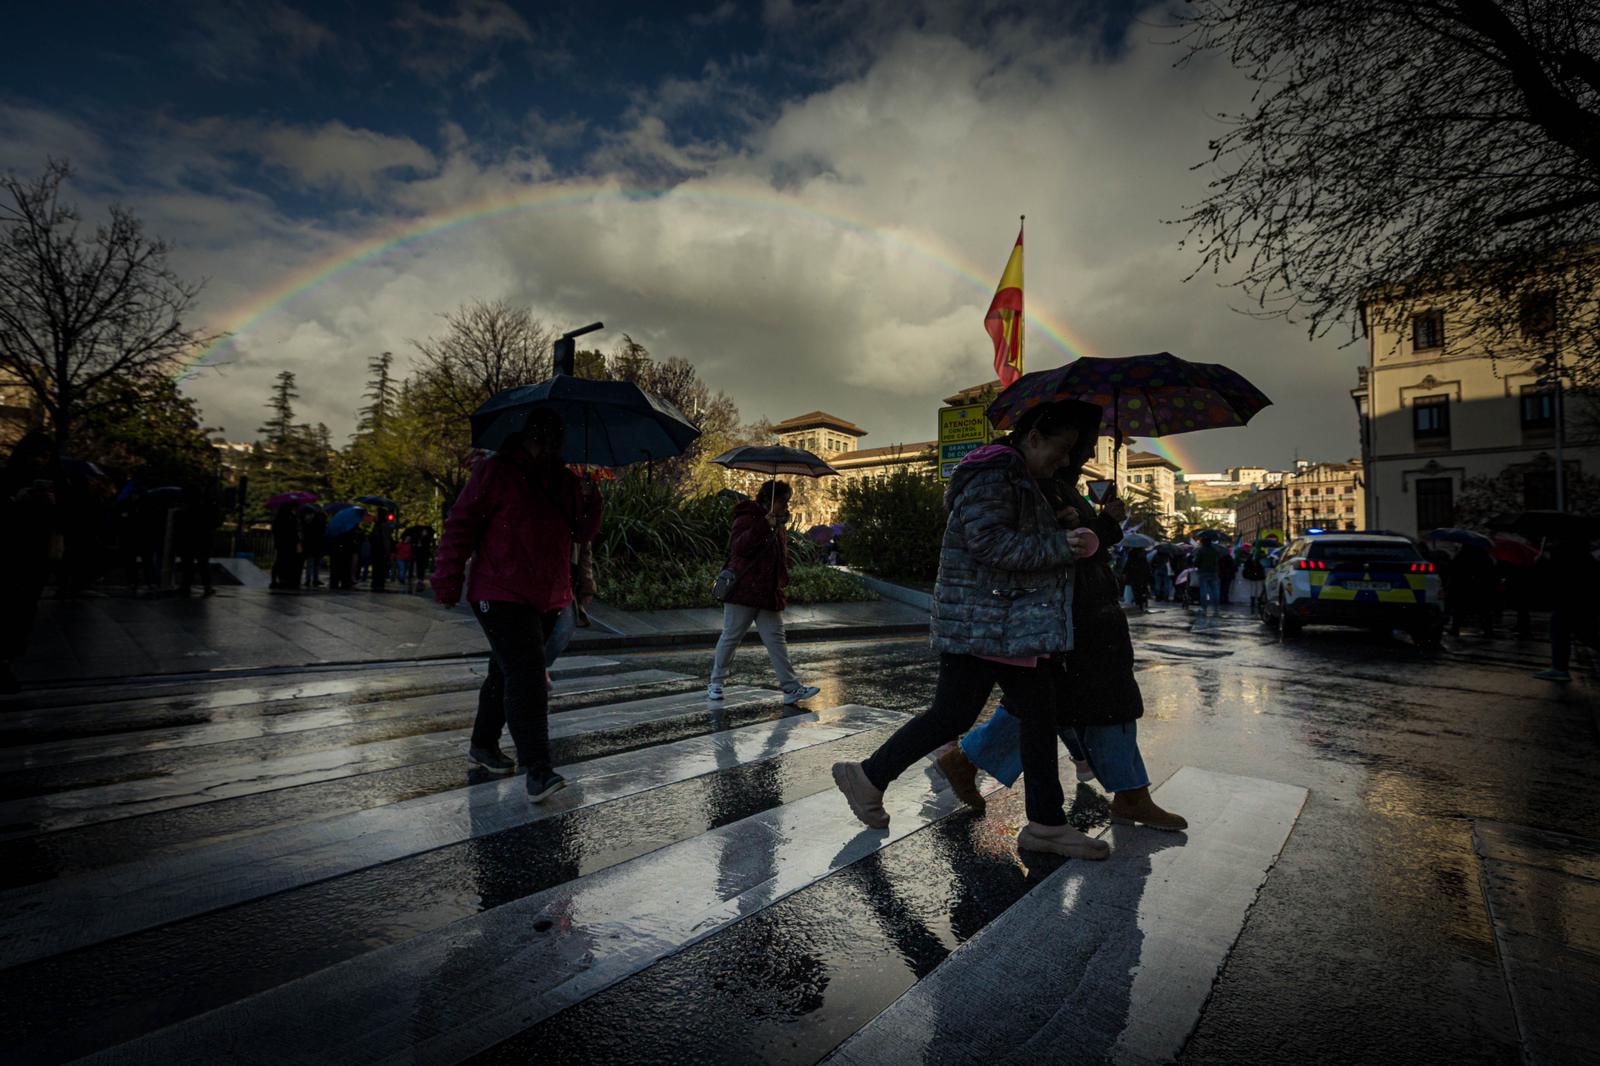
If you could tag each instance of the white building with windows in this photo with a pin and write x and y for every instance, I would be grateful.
(1437, 409)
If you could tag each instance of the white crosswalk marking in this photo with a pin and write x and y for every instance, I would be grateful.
(1113, 960)
(522, 962)
(225, 779)
(61, 915)
(430, 928)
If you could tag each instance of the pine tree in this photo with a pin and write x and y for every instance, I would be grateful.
(382, 392)
(280, 428)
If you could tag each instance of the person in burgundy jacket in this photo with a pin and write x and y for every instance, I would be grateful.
(516, 520)
(758, 553)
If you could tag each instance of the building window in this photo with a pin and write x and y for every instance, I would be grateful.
(1436, 505)
(1539, 490)
(1430, 418)
(1427, 330)
(1538, 313)
(1538, 407)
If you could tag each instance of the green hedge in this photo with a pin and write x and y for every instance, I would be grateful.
(653, 585)
(895, 526)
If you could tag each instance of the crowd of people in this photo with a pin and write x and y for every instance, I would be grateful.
(375, 554)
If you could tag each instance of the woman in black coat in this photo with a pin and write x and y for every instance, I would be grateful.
(1098, 703)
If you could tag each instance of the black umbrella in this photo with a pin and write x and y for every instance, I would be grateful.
(775, 460)
(608, 423)
(1537, 525)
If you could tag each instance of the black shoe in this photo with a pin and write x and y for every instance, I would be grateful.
(543, 784)
(491, 759)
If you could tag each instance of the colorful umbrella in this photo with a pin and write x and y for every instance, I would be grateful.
(1514, 550)
(296, 498)
(1144, 395)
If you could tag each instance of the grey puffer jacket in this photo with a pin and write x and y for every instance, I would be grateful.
(1005, 570)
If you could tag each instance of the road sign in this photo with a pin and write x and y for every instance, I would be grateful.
(962, 429)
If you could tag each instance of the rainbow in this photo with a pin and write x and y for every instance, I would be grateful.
(249, 314)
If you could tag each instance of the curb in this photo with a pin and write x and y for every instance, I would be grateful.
(709, 637)
(705, 638)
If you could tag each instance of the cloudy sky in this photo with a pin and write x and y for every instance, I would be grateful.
(811, 202)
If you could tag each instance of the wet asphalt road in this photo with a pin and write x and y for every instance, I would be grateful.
(1369, 941)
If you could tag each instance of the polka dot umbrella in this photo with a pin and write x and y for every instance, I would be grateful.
(1140, 395)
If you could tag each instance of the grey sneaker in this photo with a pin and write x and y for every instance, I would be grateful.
(866, 802)
(491, 759)
(714, 690)
(1553, 675)
(804, 692)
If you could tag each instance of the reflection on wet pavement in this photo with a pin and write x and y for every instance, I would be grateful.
(331, 835)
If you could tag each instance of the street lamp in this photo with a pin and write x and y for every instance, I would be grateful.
(564, 355)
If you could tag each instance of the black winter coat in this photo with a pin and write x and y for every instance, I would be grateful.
(1094, 681)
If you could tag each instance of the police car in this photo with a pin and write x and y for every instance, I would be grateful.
(1373, 580)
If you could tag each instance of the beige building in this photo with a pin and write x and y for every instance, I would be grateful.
(1437, 408)
(1143, 475)
(1155, 476)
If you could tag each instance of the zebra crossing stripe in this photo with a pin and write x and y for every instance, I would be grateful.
(444, 996)
(218, 778)
(1104, 962)
(61, 915)
(328, 697)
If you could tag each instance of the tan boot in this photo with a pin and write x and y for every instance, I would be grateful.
(866, 802)
(1062, 840)
(963, 777)
(1137, 808)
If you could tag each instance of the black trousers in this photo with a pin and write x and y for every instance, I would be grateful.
(965, 682)
(513, 696)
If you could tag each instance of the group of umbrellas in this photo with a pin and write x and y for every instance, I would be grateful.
(1518, 539)
(342, 516)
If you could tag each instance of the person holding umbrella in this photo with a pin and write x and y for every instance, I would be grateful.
(1002, 606)
(758, 556)
(516, 520)
(285, 548)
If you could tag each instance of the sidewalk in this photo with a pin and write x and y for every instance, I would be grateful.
(244, 629)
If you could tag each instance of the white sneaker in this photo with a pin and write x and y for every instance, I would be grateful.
(1085, 771)
(714, 690)
(804, 692)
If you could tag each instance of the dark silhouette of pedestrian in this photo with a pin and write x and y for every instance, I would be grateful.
(1136, 574)
(382, 541)
(26, 529)
(517, 520)
(197, 524)
(1575, 581)
(286, 549)
(314, 542)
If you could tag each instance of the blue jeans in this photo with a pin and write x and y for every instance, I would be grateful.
(561, 635)
(1164, 584)
(1210, 592)
(313, 569)
(1112, 750)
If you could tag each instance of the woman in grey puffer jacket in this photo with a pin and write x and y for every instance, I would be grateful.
(1002, 604)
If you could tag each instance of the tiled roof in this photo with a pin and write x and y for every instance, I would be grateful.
(818, 418)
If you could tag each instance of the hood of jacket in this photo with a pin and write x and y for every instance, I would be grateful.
(988, 457)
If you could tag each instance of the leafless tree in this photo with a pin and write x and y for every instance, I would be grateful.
(81, 318)
(1419, 154)
(485, 348)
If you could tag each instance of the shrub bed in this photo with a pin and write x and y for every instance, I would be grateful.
(653, 585)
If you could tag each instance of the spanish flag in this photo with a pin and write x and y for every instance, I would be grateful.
(1004, 320)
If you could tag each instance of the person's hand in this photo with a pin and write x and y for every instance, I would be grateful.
(1074, 542)
(1068, 516)
(1115, 509)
